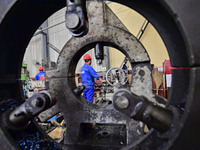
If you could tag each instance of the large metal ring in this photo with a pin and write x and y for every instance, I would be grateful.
(172, 19)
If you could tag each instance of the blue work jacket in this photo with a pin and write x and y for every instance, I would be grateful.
(40, 74)
(87, 75)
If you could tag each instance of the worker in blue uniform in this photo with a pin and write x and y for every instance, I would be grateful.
(87, 76)
(41, 74)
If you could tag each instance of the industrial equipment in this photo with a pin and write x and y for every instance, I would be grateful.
(24, 73)
(113, 80)
(118, 124)
(76, 17)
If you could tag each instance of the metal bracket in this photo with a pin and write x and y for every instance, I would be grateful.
(141, 109)
(76, 18)
(22, 115)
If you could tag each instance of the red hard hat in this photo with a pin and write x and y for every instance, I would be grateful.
(87, 56)
(41, 68)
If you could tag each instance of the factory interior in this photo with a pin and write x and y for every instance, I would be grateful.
(99, 75)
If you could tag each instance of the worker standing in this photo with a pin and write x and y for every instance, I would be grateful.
(40, 75)
(87, 75)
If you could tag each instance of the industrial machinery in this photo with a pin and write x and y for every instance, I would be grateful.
(113, 79)
(118, 125)
(24, 73)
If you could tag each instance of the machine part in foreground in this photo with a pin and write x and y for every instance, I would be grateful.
(105, 124)
(178, 29)
(141, 109)
(22, 115)
(76, 17)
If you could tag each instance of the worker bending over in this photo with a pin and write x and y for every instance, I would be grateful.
(87, 75)
(41, 74)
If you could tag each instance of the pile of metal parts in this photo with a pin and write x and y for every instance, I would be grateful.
(121, 124)
(33, 86)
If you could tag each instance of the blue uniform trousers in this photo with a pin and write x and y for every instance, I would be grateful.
(88, 94)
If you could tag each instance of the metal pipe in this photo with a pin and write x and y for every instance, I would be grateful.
(99, 52)
(39, 32)
(143, 30)
(144, 25)
(106, 62)
(54, 48)
(44, 40)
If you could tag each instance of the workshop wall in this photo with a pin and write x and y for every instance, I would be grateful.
(150, 39)
(58, 35)
(33, 55)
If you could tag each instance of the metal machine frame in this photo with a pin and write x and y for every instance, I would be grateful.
(177, 24)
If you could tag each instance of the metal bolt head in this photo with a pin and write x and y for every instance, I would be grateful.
(122, 102)
(72, 21)
(35, 102)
